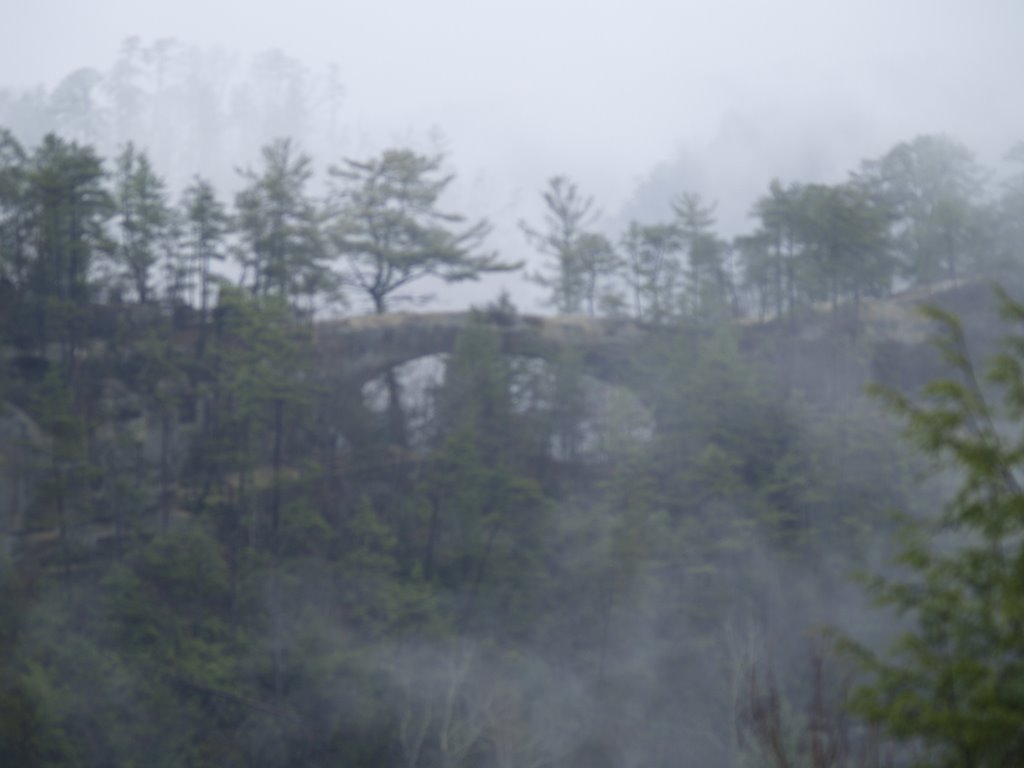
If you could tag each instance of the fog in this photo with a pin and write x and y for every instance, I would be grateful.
(635, 101)
(240, 529)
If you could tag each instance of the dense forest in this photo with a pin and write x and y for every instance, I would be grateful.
(214, 554)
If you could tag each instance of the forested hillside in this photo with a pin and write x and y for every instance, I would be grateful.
(214, 554)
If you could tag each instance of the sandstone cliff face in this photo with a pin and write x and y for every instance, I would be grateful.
(827, 355)
(130, 439)
(24, 452)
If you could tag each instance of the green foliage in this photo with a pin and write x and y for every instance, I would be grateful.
(730, 438)
(206, 224)
(168, 602)
(143, 218)
(817, 243)
(525, 581)
(484, 525)
(709, 289)
(653, 270)
(15, 239)
(392, 233)
(279, 224)
(930, 187)
(67, 208)
(950, 681)
(581, 261)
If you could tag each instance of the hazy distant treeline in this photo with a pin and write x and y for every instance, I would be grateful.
(194, 110)
(217, 555)
(922, 214)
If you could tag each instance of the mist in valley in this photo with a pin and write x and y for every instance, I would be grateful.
(510, 385)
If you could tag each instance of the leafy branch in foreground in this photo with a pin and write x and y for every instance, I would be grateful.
(952, 684)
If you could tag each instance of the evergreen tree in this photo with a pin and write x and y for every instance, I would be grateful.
(932, 184)
(598, 263)
(771, 253)
(484, 522)
(653, 270)
(844, 245)
(708, 280)
(66, 478)
(206, 224)
(391, 232)
(280, 227)
(74, 109)
(126, 93)
(754, 251)
(143, 219)
(13, 227)
(950, 685)
(15, 237)
(576, 255)
(68, 207)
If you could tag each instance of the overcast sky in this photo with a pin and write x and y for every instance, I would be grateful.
(723, 94)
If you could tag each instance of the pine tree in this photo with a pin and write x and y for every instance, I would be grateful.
(68, 207)
(13, 227)
(15, 236)
(573, 254)
(844, 244)
(390, 230)
(653, 270)
(143, 219)
(279, 224)
(484, 524)
(708, 280)
(772, 252)
(206, 225)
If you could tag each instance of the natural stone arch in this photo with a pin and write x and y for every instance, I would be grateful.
(356, 350)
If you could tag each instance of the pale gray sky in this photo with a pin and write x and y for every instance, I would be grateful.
(729, 92)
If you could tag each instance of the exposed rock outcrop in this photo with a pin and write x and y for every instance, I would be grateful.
(359, 349)
(24, 452)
